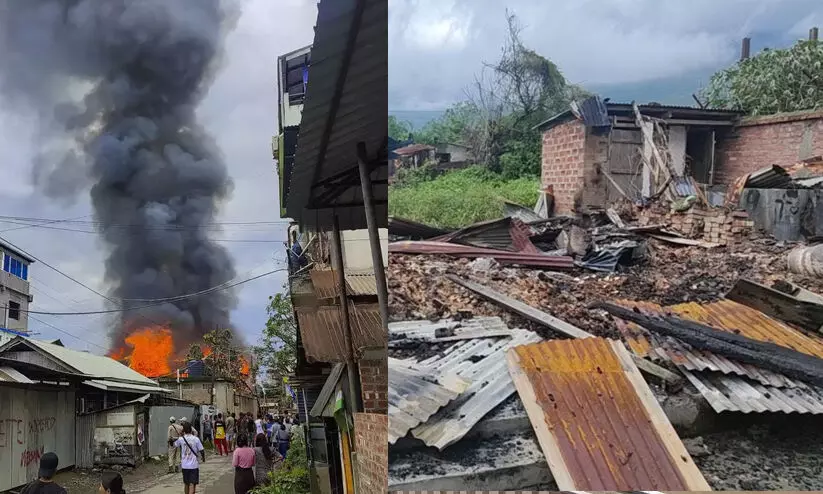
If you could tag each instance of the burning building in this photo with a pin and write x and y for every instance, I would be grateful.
(115, 86)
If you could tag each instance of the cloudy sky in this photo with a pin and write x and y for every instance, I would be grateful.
(241, 112)
(649, 50)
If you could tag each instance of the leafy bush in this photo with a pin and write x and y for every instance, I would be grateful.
(772, 81)
(461, 197)
(292, 477)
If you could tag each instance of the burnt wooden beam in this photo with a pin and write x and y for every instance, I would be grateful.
(777, 304)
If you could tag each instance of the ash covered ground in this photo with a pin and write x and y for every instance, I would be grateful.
(747, 452)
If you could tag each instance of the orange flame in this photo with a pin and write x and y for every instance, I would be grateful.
(244, 367)
(152, 349)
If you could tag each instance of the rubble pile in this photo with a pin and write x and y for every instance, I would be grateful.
(669, 275)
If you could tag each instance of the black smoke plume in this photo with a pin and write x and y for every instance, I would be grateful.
(115, 85)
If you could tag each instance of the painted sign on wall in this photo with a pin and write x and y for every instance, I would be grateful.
(32, 423)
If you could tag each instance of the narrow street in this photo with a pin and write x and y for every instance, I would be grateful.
(216, 476)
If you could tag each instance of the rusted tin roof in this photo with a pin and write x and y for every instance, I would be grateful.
(502, 256)
(646, 344)
(740, 319)
(361, 284)
(509, 234)
(321, 329)
(597, 421)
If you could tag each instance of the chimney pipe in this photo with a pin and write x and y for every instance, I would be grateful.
(813, 34)
(745, 49)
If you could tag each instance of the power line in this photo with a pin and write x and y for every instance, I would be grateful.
(77, 221)
(48, 222)
(93, 232)
(181, 297)
(67, 333)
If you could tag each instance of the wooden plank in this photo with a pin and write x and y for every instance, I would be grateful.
(614, 217)
(780, 305)
(675, 447)
(685, 241)
(559, 325)
(548, 443)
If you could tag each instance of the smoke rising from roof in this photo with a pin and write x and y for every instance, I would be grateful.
(115, 85)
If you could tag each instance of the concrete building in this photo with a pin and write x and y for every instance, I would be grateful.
(15, 295)
(197, 390)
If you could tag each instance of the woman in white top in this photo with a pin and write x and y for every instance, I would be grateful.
(258, 424)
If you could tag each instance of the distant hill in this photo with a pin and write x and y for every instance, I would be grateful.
(418, 119)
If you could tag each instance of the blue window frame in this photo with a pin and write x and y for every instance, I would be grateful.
(15, 266)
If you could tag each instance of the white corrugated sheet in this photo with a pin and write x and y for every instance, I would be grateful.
(482, 361)
(738, 394)
(8, 374)
(414, 397)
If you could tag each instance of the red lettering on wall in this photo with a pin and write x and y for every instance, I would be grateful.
(30, 456)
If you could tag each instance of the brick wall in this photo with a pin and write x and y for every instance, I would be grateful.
(563, 159)
(771, 140)
(374, 381)
(372, 446)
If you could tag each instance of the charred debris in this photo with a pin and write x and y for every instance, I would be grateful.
(719, 310)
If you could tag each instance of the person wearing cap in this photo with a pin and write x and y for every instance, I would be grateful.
(174, 433)
(185, 421)
(45, 483)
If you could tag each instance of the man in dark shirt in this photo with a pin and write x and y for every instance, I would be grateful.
(44, 483)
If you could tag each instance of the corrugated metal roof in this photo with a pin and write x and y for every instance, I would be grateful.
(321, 329)
(118, 386)
(736, 394)
(414, 397)
(7, 374)
(603, 431)
(771, 177)
(93, 365)
(361, 284)
(412, 149)
(480, 361)
(346, 98)
(506, 234)
(401, 227)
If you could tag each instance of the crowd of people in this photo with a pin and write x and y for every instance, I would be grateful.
(257, 446)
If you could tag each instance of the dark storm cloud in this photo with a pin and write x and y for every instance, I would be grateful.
(437, 46)
(115, 85)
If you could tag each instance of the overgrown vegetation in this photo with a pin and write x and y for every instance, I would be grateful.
(770, 82)
(292, 477)
(277, 349)
(459, 198)
(506, 101)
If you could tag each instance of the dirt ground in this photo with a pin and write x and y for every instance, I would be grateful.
(87, 482)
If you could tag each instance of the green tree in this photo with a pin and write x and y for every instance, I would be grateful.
(399, 130)
(770, 82)
(277, 349)
(223, 361)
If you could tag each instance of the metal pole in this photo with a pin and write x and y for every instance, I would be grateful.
(745, 49)
(374, 235)
(351, 370)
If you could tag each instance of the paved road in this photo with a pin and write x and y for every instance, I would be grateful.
(216, 477)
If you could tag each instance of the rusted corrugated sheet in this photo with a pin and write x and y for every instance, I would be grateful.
(584, 399)
(324, 282)
(321, 329)
(361, 284)
(740, 319)
(357, 284)
(504, 257)
(657, 347)
(509, 234)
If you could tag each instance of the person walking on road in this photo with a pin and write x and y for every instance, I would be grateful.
(220, 436)
(45, 475)
(174, 432)
(231, 430)
(111, 483)
(251, 426)
(207, 429)
(243, 463)
(283, 439)
(190, 446)
(263, 459)
(185, 421)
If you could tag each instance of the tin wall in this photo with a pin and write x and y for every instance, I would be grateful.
(33, 422)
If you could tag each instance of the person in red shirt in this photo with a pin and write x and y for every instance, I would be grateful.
(243, 463)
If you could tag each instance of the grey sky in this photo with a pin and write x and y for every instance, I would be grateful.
(241, 112)
(435, 46)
